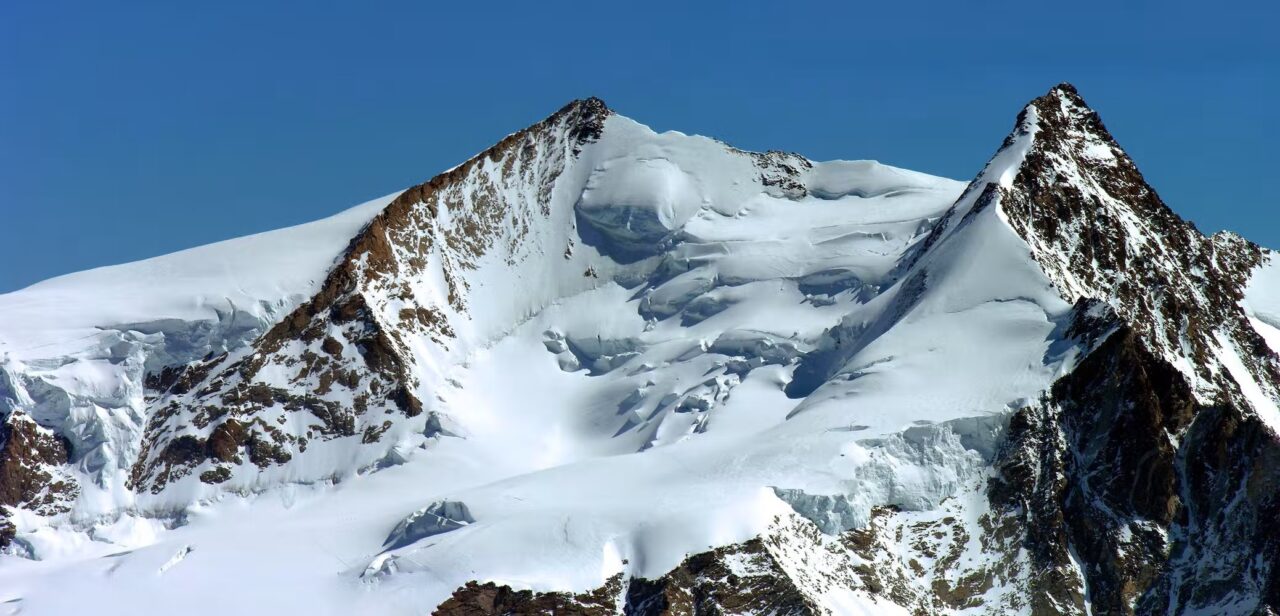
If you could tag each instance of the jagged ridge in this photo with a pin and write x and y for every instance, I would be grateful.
(352, 336)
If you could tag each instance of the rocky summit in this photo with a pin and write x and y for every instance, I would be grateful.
(597, 369)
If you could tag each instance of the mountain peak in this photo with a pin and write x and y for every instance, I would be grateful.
(1064, 88)
(584, 116)
(1069, 167)
(590, 103)
(1063, 93)
(402, 281)
(1062, 116)
(1098, 230)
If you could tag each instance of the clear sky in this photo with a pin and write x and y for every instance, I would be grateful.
(132, 129)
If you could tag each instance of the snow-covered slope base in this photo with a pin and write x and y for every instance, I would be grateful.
(601, 370)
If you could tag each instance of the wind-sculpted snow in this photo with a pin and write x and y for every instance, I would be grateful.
(598, 369)
(436, 518)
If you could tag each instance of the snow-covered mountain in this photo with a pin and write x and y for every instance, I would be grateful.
(598, 369)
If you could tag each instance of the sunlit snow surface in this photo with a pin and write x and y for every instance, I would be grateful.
(616, 429)
(1262, 305)
(1262, 301)
(254, 274)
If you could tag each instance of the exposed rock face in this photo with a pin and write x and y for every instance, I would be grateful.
(1118, 481)
(7, 532)
(1090, 475)
(780, 173)
(340, 365)
(1226, 555)
(740, 579)
(483, 599)
(30, 477)
(29, 457)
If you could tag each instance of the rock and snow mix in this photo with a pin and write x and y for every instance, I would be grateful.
(595, 351)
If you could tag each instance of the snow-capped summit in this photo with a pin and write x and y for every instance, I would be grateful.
(598, 369)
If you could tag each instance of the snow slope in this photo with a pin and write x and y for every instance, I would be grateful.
(256, 275)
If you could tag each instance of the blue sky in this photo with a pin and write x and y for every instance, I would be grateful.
(128, 130)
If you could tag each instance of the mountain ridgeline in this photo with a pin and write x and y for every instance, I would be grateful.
(600, 370)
